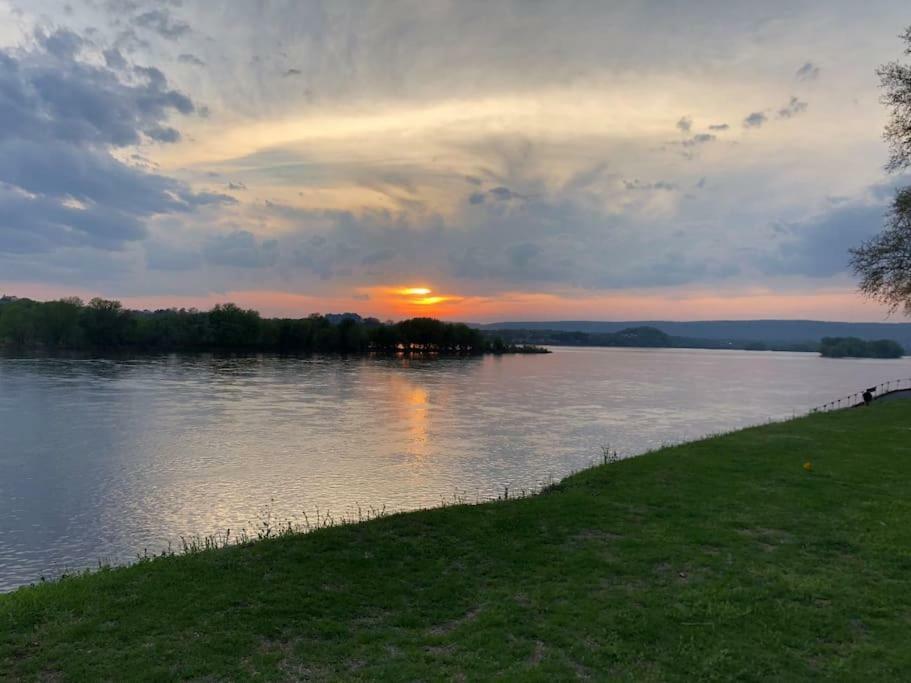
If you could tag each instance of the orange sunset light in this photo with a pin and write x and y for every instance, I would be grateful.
(407, 297)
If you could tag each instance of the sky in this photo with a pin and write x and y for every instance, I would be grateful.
(478, 161)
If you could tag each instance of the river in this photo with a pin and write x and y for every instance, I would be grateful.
(101, 459)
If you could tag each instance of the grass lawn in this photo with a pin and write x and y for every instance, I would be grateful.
(719, 559)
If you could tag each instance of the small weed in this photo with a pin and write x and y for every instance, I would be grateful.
(609, 456)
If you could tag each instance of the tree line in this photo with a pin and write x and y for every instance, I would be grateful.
(643, 337)
(105, 325)
(630, 336)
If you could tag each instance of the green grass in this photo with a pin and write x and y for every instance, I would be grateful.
(718, 559)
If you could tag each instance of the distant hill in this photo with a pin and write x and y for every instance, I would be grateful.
(735, 331)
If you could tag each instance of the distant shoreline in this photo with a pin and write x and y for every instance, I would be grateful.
(651, 337)
(681, 348)
(774, 332)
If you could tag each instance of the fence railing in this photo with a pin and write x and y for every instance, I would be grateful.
(857, 397)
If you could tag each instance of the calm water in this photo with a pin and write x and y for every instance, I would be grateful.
(100, 459)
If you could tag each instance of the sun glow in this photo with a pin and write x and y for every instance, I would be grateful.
(430, 300)
(409, 299)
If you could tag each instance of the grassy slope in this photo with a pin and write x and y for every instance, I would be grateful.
(722, 558)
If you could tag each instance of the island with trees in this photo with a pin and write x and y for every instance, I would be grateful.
(852, 347)
(104, 325)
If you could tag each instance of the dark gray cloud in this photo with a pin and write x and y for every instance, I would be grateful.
(496, 194)
(127, 40)
(808, 72)
(160, 21)
(689, 147)
(90, 176)
(187, 58)
(820, 247)
(128, 7)
(240, 249)
(59, 118)
(113, 59)
(163, 134)
(292, 72)
(684, 124)
(504, 194)
(61, 44)
(672, 267)
(379, 256)
(523, 255)
(167, 258)
(698, 139)
(792, 108)
(40, 224)
(755, 120)
(68, 266)
(47, 97)
(637, 184)
(194, 200)
(719, 126)
(237, 186)
(585, 178)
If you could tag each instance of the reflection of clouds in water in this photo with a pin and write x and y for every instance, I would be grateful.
(103, 459)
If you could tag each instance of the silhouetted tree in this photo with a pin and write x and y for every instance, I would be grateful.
(884, 262)
(105, 323)
(384, 337)
(17, 322)
(351, 336)
(233, 327)
(58, 322)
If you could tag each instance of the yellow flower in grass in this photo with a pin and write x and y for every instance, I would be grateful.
(808, 466)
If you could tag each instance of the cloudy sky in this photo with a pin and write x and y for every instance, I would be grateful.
(469, 160)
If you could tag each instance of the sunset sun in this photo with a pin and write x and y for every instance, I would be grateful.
(424, 297)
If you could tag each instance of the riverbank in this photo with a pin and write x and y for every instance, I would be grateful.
(721, 558)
